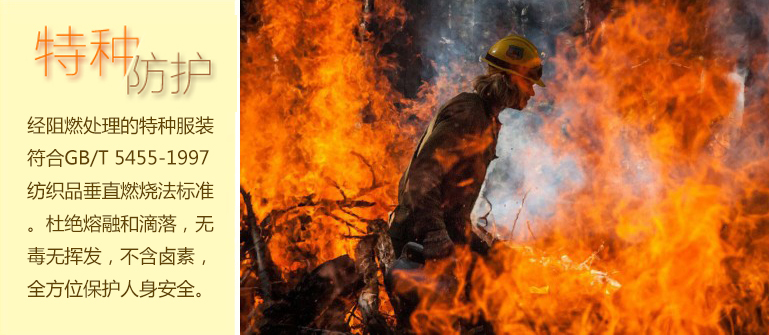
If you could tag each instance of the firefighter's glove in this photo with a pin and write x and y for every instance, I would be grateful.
(437, 245)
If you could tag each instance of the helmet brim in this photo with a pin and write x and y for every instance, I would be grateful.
(539, 82)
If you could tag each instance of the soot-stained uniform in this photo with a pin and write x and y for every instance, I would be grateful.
(438, 190)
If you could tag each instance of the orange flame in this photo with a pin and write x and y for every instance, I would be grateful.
(317, 119)
(647, 105)
(644, 103)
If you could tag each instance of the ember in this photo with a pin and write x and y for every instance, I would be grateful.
(660, 108)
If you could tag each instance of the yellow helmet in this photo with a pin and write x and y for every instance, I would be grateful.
(517, 55)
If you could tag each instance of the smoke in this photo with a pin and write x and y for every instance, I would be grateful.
(462, 31)
(454, 34)
(741, 30)
(526, 165)
(670, 192)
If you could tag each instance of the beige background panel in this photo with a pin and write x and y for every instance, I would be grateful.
(165, 28)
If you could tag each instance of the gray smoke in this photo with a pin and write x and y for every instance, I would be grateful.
(455, 35)
(528, 166)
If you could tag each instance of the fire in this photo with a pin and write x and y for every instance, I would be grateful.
(644, 103)
(317, 119)
(321, 140)
(667, 234)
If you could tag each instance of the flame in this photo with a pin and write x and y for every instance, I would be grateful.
(317, 119)
(667, 234)
(322, 142)
(645, 103)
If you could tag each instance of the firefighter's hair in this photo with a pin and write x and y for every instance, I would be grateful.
(497, 88)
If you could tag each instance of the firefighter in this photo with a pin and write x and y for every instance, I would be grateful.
(439, 188)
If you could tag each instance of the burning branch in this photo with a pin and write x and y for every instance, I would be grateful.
(281, 313)
(528, 225)
(374, 183)
(512, 231)
(368, 300)
(259, 249)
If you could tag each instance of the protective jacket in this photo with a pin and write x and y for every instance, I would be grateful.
(438, 190)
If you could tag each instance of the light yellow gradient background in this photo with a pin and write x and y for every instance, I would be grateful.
(165, 28)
